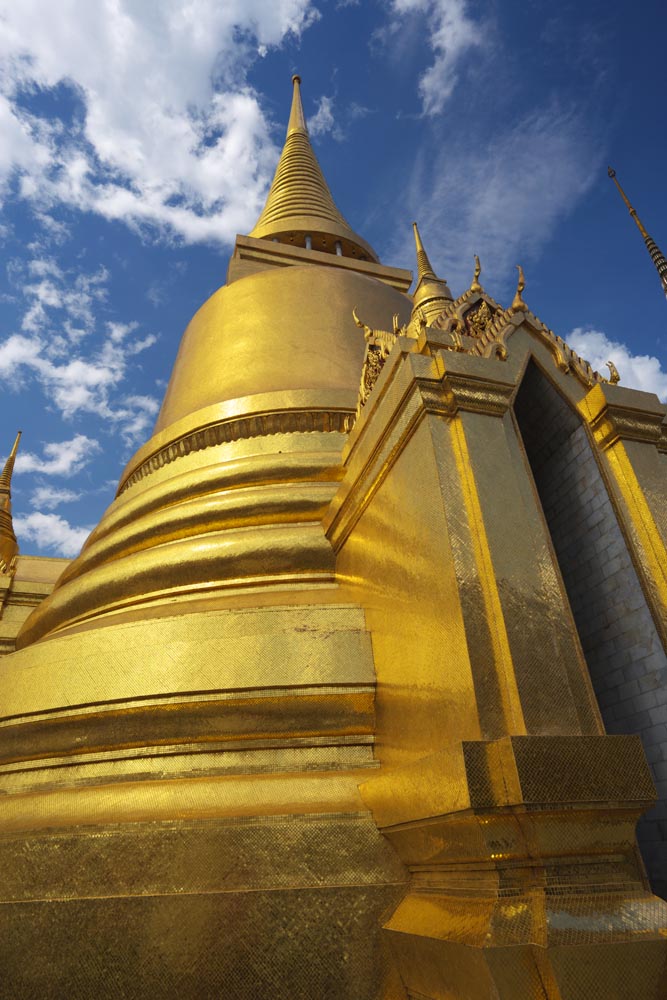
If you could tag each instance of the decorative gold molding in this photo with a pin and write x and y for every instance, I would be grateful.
(610, 422)
(477, 395)
(237, 428)
(518, 304)
(378, 347)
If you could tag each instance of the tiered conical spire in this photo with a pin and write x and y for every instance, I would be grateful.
(431, 293)
(299, 208)
(9, 548)
(657, 256)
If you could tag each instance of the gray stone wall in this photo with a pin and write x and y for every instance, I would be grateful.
(625, 657)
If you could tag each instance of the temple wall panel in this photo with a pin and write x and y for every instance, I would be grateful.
(555, 695)
(400, 552)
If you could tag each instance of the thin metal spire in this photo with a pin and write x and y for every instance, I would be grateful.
(9, 548)
(657, 256)
(6, 474)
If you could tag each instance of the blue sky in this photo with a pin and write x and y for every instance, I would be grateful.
(137, 138)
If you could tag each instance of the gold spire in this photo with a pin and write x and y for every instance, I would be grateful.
(9, 548)
(424, 269)
(299, 208)
(297, 119)
(518, 303)
(475, 286)
(431, 293)
(657, 257)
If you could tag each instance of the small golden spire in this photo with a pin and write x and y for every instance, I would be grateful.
(475, 286)
(518, 304)
(299, 208)
(9, 548)
(6, 474)
(297, 119)
(656, 255)
(431, 293)
(424, 269)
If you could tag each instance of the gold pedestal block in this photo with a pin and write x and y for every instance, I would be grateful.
(250, 908)
(525, 879)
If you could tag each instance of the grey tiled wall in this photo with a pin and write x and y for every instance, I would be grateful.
(625, 657)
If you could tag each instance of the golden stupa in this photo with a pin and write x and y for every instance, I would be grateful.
(312, 714)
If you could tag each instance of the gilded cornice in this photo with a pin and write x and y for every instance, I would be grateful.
(662, 441)
(264, 253)
(474, 392)
(611, 421)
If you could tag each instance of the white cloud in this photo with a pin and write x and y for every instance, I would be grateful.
(163, 117)
(336, 124)
(637, 371)
(61, 312)
(75, 296)
(59, 458)
(82, 385)
(501, 200)
(50, 497)
(450, 33)
(51, 532)
(323, 120)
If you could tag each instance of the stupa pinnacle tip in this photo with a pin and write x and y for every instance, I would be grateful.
(299, 208)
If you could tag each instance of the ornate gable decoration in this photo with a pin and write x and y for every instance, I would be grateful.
(378, 347)
(474, 324)
(477, 317)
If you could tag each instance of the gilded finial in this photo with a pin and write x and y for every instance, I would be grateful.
(431, 293)
(518, 304)
(614, 377)
(297, 119)
(9, 548)
(368, 331)
(6, 474)
(475, 286)
(424, 269)
(656, 255)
